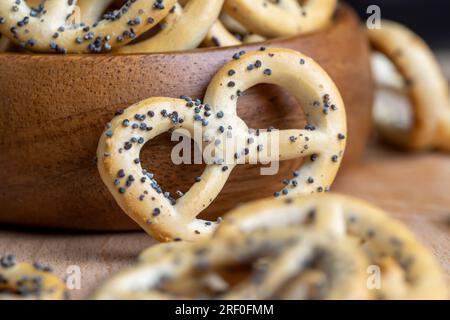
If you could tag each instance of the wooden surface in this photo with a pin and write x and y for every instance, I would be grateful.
(413, 188)
(52, 118)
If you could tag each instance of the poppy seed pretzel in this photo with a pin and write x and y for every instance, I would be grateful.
(408, 270)
(184, 28)
(257, 266)
(273, 20)
(426, 86)
(23, 281)
(46, 28)
(216, 123)
(4, 43)
(226, 31)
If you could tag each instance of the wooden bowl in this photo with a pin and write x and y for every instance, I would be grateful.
(53, 109)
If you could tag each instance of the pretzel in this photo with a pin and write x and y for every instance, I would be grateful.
(408, 270)
(425, 84)
(219, 36)
(285, 19)
(23, 281)
(219, 270)
(216, 122)
(233, 26)
(184, 28)
(48, 28)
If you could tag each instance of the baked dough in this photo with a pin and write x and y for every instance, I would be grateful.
(227, 141)
(24, 281)
(425, 85)
(49, 28)
(316, 247)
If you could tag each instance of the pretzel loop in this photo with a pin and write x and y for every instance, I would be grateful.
(212, 270)
(409, 269)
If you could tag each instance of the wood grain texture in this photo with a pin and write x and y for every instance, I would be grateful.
(53, 110)
(412, 188)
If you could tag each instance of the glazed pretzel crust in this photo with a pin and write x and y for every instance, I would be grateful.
(23, 281)
(216, 122)
(185, 28)
(211, 270)
(426, 86)
(47, 30)
(273, 20)
(408, 270)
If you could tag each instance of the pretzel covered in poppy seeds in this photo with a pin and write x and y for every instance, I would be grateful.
(215, 121)
(257, 266)
(283, 18)
(408, 270)
(184, 28)
(23, 281)
(425, 84)
(48, 28)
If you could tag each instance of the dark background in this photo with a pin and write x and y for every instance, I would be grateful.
(429, 18)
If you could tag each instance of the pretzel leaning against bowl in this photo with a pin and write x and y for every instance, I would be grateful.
(215, 120)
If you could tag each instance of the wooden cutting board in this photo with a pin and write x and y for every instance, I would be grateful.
(413, 188)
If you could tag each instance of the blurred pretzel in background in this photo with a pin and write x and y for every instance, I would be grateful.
(281, 18)
(315, 247)
(422, 81)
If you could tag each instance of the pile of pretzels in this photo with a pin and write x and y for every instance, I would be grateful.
(304, 243)
(145, 26)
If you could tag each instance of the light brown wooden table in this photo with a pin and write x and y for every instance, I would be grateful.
(414, 188)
